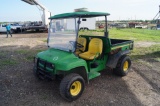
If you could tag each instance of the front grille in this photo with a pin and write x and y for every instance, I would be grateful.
(41, 62)
(49, 65)
(43, 74)
(45, 69)
(45, 65)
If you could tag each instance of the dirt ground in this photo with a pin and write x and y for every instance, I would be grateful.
(19, 87)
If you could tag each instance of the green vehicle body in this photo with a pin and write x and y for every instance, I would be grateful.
(62, 62)
(67, 62)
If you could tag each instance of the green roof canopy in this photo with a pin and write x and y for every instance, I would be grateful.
(79, 14)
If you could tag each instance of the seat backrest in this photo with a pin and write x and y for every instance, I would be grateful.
(83, 42)
(95, 46)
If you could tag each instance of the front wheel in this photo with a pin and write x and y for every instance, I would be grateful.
(72, 87)
(123, 66)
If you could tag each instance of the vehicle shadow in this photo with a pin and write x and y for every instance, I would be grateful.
(19, 86)
(149, 72)
(146, 56)
(150, 79)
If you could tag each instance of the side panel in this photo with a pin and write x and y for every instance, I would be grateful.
(119, 47)
(67, 65)
(98, 64)
(119, 43)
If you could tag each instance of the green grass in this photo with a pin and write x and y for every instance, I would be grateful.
(44, 40)
(2, 54)
(24, 55)
(39, 50)
(22, 51)
(146, 52)
(27, 51)
(131, 34)
(157, 59)
(7, 62)
(136, 34)
(28, 54)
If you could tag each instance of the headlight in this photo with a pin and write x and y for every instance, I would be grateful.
(52, 65)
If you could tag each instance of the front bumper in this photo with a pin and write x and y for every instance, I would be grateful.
(44, 69)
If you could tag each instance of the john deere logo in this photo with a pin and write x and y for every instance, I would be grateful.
(55, 58)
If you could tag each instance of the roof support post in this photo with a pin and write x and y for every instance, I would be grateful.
(77, 24)
(106, 27)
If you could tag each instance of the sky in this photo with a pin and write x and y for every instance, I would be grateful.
(17, 10)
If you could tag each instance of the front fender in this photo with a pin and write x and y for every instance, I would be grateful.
(78, 66)
(68, 65)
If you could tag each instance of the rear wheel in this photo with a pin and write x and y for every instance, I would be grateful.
(72, 87)
(123, 66)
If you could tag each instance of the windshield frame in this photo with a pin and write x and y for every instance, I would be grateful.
(76, 24)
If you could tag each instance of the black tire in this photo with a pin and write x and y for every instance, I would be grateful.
(86, 28)
(81, 29)
(67, 87)
(123, 66)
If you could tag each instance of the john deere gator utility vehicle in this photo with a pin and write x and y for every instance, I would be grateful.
(75, 58)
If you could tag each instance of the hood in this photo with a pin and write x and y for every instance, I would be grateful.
(55, 56)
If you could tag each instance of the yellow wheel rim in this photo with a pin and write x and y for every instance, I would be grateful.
(75, 88)
(125, 66)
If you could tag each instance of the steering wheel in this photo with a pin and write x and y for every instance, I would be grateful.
(72, 42)
(71, 45)
(79, 45)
